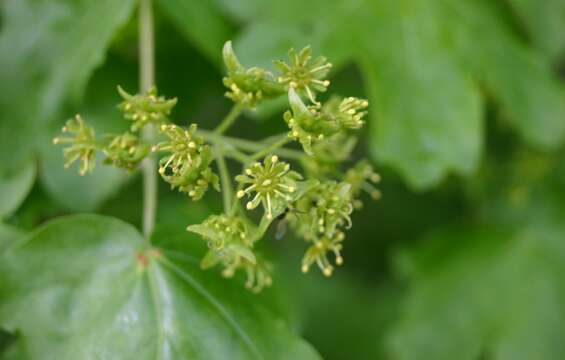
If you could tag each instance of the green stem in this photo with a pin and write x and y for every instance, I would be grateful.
(284, 139)
(227, 190)
(229, 119)
(236, 204)
(248, 145)
(147, 80)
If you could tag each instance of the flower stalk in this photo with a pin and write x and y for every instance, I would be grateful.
(147, 81)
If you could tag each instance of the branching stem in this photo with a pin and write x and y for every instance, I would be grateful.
(248, 145)
(273, 147)
(229, 119)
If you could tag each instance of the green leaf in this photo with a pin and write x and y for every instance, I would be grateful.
(48, 49)
(545, 22)
(426, 111)
(486, 292)
(14, 188)
(202, 23)
(75, 192)
(88, 286)
(9, 235)
(518, 78)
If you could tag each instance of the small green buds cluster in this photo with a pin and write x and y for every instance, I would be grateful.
(187, 167)
(312, 124)
(326, 212)
(348, 112)
(303, 75)
(248, 87)
(230, 242)
(146, 108)
(125, 151)
(82, 144)
(271, 182)
(317, 205)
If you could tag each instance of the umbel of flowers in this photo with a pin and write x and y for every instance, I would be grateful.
(317, 202)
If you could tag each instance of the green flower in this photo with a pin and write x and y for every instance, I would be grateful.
(304, 76)
(307, 124)
(146, 108)
(312, 124)
(272, 182)
(230, 242)
(318, 253)
(360, 177)
(83, 144)
(348, 112)
(248, 87)
(125, 151)
(328, 207)
(188, 165)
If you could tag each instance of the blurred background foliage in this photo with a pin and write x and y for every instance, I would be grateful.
(463, 258)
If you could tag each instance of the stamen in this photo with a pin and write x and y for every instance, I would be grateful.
(323, 67)
(269, 212)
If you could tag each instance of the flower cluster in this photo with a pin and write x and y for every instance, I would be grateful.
(82, 144)
(317, 206)
(145, 108)
(230, 242)
(348, 112)
(248, 86)
(125, 150)
(312, 124)
(187, 167)
(325, 214)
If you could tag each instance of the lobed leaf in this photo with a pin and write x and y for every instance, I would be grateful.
(487, 291)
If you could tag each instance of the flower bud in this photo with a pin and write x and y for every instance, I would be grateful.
(147, 108)
(231, 240)
(125, 151)
(248, 86)
(187, 167)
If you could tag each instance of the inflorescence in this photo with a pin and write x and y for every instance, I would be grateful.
(317, 205)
